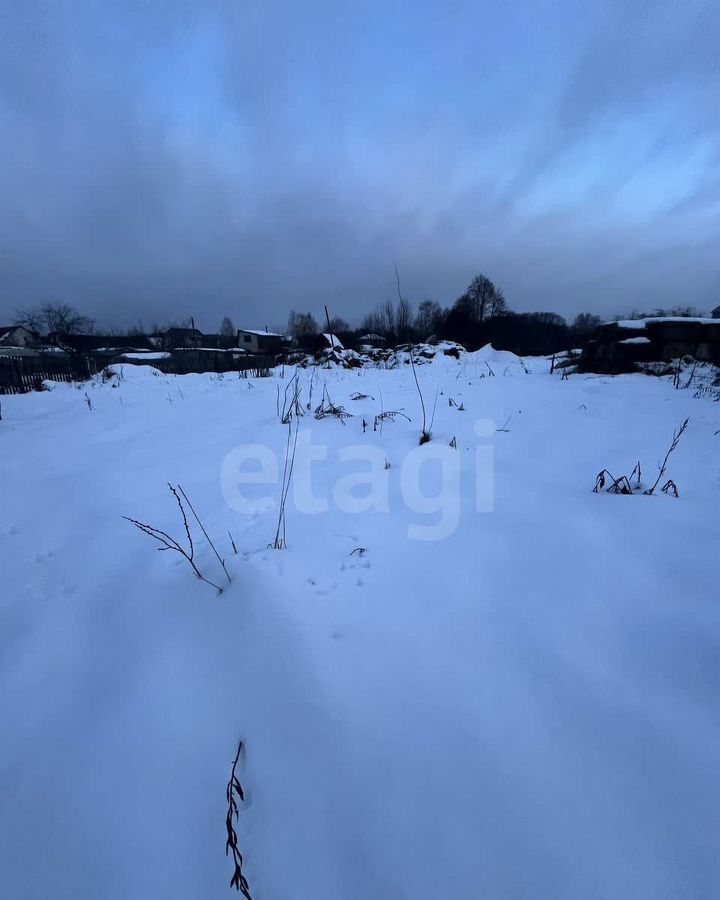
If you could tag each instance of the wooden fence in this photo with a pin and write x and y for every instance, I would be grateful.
(20, 374)
(186, 362)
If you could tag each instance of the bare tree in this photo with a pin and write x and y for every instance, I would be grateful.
(403, 320)
(374, 322)
(586, 323)
(302, 325)
(338, 324)
(387, 311)
(498, 304)
(227, 328)
(481, 293)
(32, 319)
(428, 319)
(56, 317)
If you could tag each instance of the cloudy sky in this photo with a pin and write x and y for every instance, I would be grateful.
(165, 158)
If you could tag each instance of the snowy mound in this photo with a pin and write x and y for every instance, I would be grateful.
(385, 358)
(133, 372)
(496, 362)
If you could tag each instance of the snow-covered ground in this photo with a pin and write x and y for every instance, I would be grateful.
(525, 708)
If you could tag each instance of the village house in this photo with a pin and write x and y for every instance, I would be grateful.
(175, 338)
(262, 342)
(18, 336)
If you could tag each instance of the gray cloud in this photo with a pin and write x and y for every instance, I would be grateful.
(174, 158)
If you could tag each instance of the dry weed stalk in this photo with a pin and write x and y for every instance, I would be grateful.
(207, 536)
(622, 484)
(619, 485)
(291, 400)
(389, 416)
(169, 543)
(326, 408)
(279, 542)
(673, 444)
(670, 488)
(425, 434)
(234, 793)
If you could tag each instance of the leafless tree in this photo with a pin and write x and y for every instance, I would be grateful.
(585, 323)
(338, 324)
(55, 317)
(403, 320)
(498, 304)
(227, 328)
(428, 319)
(481, 293)
(301, 325)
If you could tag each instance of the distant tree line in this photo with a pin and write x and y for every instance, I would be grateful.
(479, 316)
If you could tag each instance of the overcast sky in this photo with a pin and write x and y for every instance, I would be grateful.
(244, 158)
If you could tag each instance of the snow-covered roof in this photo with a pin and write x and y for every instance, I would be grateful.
(333, 342)
(209, 350)
(635, 340)
(639, 324)
(260, 333)
(7, 331)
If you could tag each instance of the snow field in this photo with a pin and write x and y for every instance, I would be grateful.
(527, 708)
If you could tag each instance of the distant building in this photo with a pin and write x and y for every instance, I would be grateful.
(260, 341)
(219, 341)
(181, 337)
(716, 313)
(18, 336)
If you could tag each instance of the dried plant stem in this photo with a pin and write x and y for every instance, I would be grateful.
(676, 438)
(425, 433)
(169, 543)
(280, 542)
(233, 793)
(207, 536)
(293, 405)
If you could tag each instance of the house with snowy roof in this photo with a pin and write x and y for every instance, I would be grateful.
(256, 341)
(17, 336)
